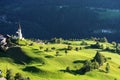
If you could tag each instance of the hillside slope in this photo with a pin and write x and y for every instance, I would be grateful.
(40, 61)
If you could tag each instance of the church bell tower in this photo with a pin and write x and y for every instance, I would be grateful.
(19, 32)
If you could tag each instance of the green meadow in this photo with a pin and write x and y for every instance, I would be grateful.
(49, 61)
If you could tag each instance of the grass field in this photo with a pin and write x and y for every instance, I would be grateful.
(39, 64)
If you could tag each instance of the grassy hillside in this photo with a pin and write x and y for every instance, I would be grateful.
(39, 61)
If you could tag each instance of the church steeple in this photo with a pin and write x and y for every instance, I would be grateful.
(19, 26)
(19, 32)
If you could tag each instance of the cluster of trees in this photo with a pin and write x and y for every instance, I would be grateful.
(56, 40)
(17, 76)
(83, 43)
(97, 45)
(98, 61)
(99, 39)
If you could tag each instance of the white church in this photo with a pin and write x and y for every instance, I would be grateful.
(3, 39)
(19, 32)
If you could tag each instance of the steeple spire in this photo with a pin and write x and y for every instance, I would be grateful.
(19, 32)
(19, 26)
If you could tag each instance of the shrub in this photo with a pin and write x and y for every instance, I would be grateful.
(57, 53)
(18, 76)
(70, 47)
(68, 69)
(41, 47)
(31, 44)
(77, 49)
(119, 67)
(95, 65)
(107, 68)
(56, 40)
(80, 48)
(47, 49)
(66, 52)
(53, 48)
(83, 42)
(114, 43)
(9, 75)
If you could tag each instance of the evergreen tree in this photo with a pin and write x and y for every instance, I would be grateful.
(99, 58)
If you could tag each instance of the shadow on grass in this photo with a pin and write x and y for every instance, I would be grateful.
(38, 52)
(74, 72)
(18, 55)
(49, 56)
(62, 49)
(32, 69)
(78, 61)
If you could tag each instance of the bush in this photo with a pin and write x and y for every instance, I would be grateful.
(68, 69)
(80, 48)
(109, 58)
(66, 52)
(95, 65)
(53, 48)
(9, 75)
(114, 43)
(107, 68)
(56, 40)
(70, 47)
(83, 43)
(18, 76)
(47, 49)
(77, 49)
(119, 67)
(57, 53)
(41, 47)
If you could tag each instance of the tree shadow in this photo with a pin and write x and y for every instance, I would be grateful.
(100, 70)
(62, 49)
(78, 61)
(18, 55)
(75, 72)
(49, 56)
(32, 69)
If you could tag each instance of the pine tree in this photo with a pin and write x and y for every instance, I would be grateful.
(99, 58)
